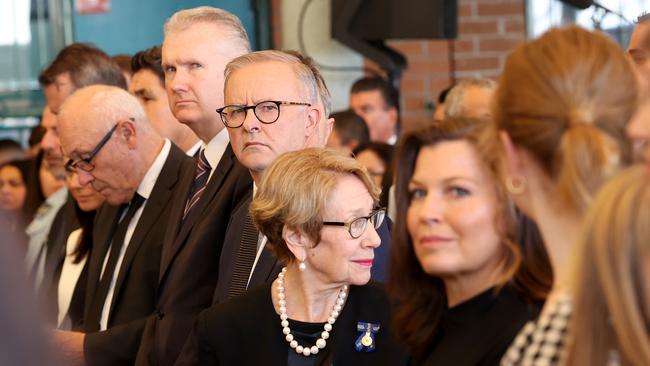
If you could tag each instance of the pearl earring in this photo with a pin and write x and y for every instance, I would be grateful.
(302, 266)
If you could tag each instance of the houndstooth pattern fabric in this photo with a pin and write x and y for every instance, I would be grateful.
(541, 343)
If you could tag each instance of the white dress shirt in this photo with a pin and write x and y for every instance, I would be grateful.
(70, 273)
(194, 149)
(215, 148)
(144, 190)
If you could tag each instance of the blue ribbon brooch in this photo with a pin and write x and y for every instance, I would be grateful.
(367, 338)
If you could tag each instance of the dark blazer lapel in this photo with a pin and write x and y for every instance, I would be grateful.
(154, 207)
(264, 269)
(174, 244)
(106, 219)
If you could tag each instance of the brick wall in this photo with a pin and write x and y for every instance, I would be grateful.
(488, 30)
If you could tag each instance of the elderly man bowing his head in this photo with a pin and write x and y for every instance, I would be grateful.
(112, 146)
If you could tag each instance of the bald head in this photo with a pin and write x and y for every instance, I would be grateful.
(106, 128)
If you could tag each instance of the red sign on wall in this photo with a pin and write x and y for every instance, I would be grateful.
(92, 6)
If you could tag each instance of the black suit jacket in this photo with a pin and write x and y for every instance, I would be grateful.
(190, 260)
(64, 223)
(134, 296)
(268, 267)
(246, 331)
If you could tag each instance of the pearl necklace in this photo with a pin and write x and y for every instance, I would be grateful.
(284, 319)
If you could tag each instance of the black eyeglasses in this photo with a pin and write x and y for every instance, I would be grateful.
(356, 227)
(267, 112)
(86, 164)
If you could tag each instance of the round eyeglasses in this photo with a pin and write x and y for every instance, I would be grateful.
(357, 226)
(267, 112)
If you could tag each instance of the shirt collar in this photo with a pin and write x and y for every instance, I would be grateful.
(149, 180)
(215, 148)
(194, 149)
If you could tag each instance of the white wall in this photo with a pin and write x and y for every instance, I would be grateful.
(321, 47)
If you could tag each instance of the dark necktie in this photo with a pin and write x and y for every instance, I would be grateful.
(245, 258)
(116, 246)
(200, 180)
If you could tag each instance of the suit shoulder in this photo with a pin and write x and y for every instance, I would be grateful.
(241, 309)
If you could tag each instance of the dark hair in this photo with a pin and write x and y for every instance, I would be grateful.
(86, 64)
(23, 166)
(9, 144)
(124, 62)
(420, 299)
(385, 153)
(86, 220)
(388, 93)
(26, 171)
(34, 196)
(36, 135)
(149, 59)
(349, 126)
(443, 94)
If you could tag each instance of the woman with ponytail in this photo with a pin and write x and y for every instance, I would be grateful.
(560, 114)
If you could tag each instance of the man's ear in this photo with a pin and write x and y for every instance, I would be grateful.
(126, 130)
(313, 118)
(297, 242)
(392, 112)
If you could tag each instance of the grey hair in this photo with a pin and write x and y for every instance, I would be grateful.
(106, 106)
(454, 100)
(183, 19)
(302, 71)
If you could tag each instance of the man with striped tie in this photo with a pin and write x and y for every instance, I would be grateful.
(198, 44)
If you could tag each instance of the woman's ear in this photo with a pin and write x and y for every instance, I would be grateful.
(512, 162)
(297, 242)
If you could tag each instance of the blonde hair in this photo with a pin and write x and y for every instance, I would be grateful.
(228, 21)
(609, 282)
(566, 98)
(295, 190)
(304, 72)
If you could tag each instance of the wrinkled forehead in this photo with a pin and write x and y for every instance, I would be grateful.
(280, 73)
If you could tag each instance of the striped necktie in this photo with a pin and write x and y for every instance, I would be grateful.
(200, 181)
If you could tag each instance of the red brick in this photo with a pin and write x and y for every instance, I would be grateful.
(477, 63)
(412, 85)
(466, 9)
(411, 48)
(410, 123)
(464, 45)
(413, 103)
(499, 45)
(428, 66)
(478, 26)
(438, 84)
(514, 25)
(438, 47)
(502, 8)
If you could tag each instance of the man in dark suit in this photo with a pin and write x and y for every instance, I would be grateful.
(111, 145)
(198, 44)
(263, 130)
(75, 66)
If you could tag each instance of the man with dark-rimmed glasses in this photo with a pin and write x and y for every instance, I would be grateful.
(271, 107)
(112, 146)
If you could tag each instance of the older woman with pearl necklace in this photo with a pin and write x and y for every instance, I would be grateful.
(318, 210)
